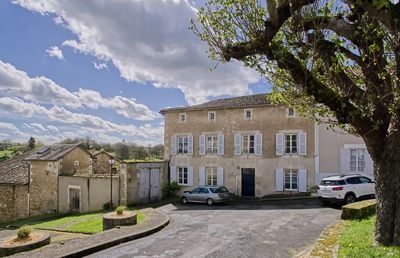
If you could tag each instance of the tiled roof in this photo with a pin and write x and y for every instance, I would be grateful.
(15, 170)
(54, 152)
(244, 101)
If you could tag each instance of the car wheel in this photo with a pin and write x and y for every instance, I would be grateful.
(350, 198)
(184, 200)
(210, 202)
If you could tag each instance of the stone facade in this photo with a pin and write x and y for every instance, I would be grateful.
(267, 121)
(13, 202)
(101, 163)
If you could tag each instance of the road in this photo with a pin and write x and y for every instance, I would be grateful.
(247, 229)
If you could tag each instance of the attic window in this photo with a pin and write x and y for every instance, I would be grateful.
(212, 116)
(182, 118)
(248, 114)
(76, 162)
(290, 112)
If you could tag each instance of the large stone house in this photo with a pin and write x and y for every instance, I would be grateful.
(246, 143)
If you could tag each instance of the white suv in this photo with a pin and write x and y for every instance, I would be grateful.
(345, 188)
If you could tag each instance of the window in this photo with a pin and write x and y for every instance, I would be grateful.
(353, 180)
(49, 165)
(290, 143)
(211, 144)
(248, 144)
(182, 118)
(248, 114)
(365, 180)
(212, 116)
(183, 144)
(182, 175)
(204, 190)
(290, 112)
(357, 160)
(290, 179)
(76, 162)
(211, 176)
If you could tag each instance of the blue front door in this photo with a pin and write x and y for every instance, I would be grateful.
(248, 182)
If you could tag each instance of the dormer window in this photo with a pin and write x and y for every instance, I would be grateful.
(212, 116)
(290, 112)
(248, 114)
(182, 117)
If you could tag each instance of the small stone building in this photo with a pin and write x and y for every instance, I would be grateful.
(101, 165)
(14, 188)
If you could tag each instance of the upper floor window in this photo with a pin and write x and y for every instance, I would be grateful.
(183, 144)
(290, 112)
(212, 144)
(357, 160)
(182, 117)
(182, 175)
(248, 144)
(290, 143)
(76, 162)
(248, 114)
(212, 116)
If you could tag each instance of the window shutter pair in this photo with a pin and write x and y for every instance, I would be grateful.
(173, 176)
(202, 176)
(279, 180)
(301, 144)
(174, 143)
(202, 140)
(257, 144)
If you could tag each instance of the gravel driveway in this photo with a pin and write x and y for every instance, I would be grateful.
(250, 229)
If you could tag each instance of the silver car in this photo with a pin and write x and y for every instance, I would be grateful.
(207, 194)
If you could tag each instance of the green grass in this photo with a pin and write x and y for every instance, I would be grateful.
(6, 153)
(357, 240)
(79, 223)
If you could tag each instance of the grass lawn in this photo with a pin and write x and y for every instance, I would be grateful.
(357, 240)
(79, 223)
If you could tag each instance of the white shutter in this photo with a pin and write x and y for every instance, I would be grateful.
(238, 144)
(220, 144)
(369, 164)
(258, 144)
(190, 144)
(302, 180)
(173, 145)
(279, 180)
(202, 176)
(279, 144)
(190, 176)
(173, 174)
(220, 176)
(344, 160)
(202, 141)
(302, 144)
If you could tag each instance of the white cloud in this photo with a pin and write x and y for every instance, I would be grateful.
(86, 121)
(147, 40)
(100, 66)
(42, 90)
(8, 126)
(38, 126)
(52, 128)
(55, 52)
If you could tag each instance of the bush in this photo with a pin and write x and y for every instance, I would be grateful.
(106, 206)
(120, 209)
(359, 210)
(24, 232)
(170, 189)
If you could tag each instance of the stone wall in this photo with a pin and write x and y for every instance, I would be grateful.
(13, 202)
(76, 161)
(43, 188)
(101, 164)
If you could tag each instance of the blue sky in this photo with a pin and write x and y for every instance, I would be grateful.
(104, 69)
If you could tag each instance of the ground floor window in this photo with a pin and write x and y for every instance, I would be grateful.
(211, 176)
(182, 175)
(357, 160)
(290, 179)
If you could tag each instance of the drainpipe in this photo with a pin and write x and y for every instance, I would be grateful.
(29, 184)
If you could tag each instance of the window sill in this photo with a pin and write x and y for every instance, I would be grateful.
(291, 190)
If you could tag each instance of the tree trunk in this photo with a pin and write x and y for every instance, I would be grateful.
(387, 185)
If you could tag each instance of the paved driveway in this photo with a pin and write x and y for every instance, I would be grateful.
(252, 229)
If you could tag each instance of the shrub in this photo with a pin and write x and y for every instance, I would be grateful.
(359, 210)
(24, 232)
(106, 206)
(170, 189)
(120, 209)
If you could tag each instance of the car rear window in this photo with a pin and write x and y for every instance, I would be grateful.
(219, 190)
(333, 182)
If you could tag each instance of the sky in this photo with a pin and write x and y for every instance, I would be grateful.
(104, 69)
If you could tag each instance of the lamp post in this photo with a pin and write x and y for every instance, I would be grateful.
(111, 161)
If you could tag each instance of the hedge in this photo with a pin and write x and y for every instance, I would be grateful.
(359, 210)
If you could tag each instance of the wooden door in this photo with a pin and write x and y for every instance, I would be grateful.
(74, 200)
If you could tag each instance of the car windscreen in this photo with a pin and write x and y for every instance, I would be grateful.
(332, 182)
(219, 190)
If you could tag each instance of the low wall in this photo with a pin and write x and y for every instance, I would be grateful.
(13, 202)
(94, 192)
